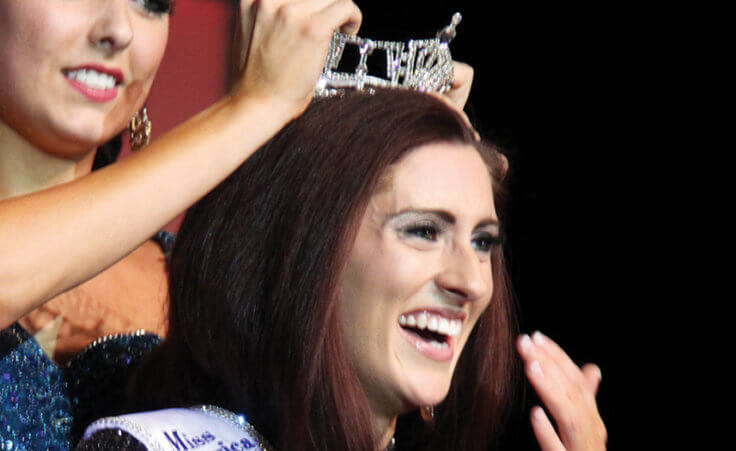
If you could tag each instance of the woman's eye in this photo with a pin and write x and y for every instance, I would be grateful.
(156, 6)
(484, 242)
(424, 231)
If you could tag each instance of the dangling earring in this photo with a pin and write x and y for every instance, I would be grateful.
(427, 413)
(139, 129)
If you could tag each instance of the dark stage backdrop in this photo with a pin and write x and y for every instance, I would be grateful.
(560, 86)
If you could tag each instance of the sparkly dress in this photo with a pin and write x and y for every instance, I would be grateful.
(47, 406)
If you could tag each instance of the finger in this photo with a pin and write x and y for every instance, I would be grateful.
(564, 397)
(342, 14)
(544, 431)
(462, 81)
(558, 355)
(592, 375)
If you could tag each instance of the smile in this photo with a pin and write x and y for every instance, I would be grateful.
(94, 82)
(431, 333)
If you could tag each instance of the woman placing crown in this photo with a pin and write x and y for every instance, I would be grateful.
(73, 75)
(330, 316)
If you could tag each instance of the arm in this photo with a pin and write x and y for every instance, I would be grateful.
(53, 240)
(568, 393)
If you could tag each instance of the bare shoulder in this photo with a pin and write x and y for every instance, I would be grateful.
(129, 296)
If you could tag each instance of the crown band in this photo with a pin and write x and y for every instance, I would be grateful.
(422, 65)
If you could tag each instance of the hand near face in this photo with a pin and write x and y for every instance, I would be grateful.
(567, 391)
(282, 46)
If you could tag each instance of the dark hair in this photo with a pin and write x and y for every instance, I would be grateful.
(108, 152)
(254, 282)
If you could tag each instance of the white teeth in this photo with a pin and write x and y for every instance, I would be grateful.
(432, 322)
(436, 344)
(444, 326)
(92, 78)
(455, 328)
(422, 321)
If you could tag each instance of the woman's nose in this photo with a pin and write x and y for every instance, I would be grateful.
(112, 30)
(464, 276)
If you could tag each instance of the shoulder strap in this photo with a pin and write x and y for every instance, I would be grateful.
(197, 428)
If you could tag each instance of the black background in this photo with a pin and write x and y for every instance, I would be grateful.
(562, 88)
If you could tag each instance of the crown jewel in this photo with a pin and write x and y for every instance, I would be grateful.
(423, 64)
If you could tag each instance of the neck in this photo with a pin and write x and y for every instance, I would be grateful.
(25, 168)
(385, 428)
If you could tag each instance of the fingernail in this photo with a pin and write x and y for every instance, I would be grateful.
(538, 337)
(537, 413)
(526, 345)
(535, 369)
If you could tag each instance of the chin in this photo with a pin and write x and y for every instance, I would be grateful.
(75, 140)
(426, 389)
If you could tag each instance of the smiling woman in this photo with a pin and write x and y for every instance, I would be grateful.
(87, 67)
(287, 304)
(419, 275)
(77, 263)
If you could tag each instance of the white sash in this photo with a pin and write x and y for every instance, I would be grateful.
(203, 428)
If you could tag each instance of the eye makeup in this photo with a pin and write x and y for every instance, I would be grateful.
(430, 225)
(157, 7)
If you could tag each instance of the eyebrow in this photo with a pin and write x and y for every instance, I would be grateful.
(443, 215)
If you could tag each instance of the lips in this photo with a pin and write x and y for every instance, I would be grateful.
(432, 332)
(95, 82)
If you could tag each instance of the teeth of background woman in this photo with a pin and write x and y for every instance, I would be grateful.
(411, 321)
(436, 344)
(93, 79)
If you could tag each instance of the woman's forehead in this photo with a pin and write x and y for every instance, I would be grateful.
(438, 176)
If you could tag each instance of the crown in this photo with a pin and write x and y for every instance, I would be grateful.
(422, 64)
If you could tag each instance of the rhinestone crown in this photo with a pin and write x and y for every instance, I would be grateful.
(423, 64)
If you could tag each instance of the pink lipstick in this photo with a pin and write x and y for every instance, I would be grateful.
(96, 82)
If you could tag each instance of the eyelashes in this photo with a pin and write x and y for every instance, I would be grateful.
(484, 241)
(157, 7)
(425, 230)
(428, 231)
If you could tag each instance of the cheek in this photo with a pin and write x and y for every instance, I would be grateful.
(148, 50)
(145, 55)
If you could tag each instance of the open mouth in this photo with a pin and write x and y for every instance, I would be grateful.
(93, 79)
(434, 329)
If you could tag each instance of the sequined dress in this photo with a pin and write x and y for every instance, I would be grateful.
(47, 406)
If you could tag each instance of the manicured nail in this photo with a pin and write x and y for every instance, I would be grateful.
(535, 369)
(526, 345)
(538, 337)
(537, 413)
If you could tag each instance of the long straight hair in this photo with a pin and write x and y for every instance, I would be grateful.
(254, 283)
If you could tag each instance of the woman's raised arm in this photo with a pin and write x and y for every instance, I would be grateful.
(55, 239)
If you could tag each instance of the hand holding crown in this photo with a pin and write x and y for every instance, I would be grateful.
(282, 47)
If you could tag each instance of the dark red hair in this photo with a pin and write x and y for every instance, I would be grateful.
(255, 274)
